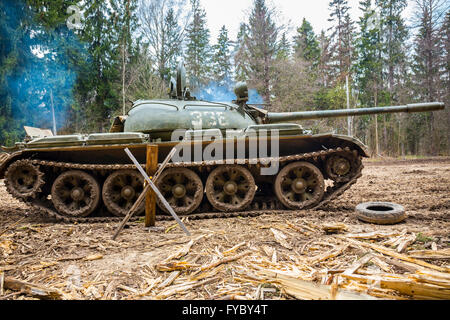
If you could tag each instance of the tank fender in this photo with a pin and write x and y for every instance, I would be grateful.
(336, 140)
(362, 148)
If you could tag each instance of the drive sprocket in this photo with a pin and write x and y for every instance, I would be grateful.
(24, 180)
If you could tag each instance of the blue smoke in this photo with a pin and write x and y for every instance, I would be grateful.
(223, 93)
(42, 69)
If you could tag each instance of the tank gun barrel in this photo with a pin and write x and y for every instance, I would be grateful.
(274, 117)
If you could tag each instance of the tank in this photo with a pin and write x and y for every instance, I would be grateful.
(232, 158)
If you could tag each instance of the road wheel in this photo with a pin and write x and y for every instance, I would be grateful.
(230, 188)
(121, 190)
(182, 188)
(75, 193)
(299, 185)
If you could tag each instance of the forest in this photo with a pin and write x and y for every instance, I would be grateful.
(72, 66)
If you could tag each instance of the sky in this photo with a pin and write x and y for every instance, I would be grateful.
(232, 12)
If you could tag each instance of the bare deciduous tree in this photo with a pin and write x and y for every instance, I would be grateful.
(163, 26)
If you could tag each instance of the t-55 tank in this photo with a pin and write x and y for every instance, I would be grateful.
(232, 159)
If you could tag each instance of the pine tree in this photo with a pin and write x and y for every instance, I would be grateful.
(172, 47)
(306, 44)
(241, 54)
(394, 40)
(368, 48)
(427, 65)
(222, 59)
(15, 37)
(125, 48)
(47, 52)
(341, 39)
(427, 49)
(369, 67)
(284, 48)
(198, 51)
(445, 58)
(262, 47)
(102, 70)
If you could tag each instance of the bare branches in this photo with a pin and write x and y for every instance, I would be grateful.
(163, 26)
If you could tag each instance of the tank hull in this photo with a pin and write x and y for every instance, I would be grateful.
(104, 162)
(114, 154)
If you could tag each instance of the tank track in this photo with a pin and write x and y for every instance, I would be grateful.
(260, 207)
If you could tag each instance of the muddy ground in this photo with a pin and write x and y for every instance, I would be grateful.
(82, 262)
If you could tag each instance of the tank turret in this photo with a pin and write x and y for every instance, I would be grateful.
(160, 118)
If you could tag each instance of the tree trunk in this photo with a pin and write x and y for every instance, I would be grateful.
(376, 125)
(123, 80)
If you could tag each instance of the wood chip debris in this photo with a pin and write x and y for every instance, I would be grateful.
(280, 237)
(337, 263)
(334, 228)
(32, 289)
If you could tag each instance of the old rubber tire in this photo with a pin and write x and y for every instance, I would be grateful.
(380, 212)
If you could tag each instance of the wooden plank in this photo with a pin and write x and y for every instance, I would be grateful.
(280, 237)
(170, 279)
(410, 267)
(2, 280)
(150, 201)
(400, 256)
(334, 227)
(430, 254)
(405, 243)
(371, 235)
(308, 290)
(359, 263)
(226, 260)
(403, 285)
(327, 255)
(185, 287)
(32, 289)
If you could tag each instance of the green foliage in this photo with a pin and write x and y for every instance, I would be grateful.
(337, 97)
(221, 61)
(198, 48)
(306, 44)
(422, 238)
(241, 54)
(172, 47)
(127, 50)
(293, 85)
(261, 43)
(284, 48)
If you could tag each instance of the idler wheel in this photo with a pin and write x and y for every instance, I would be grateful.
(121, 190)
(75, 193)
(299, 185)
(230, 188)
(341, 167)
(23, 179)
(182, 188)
